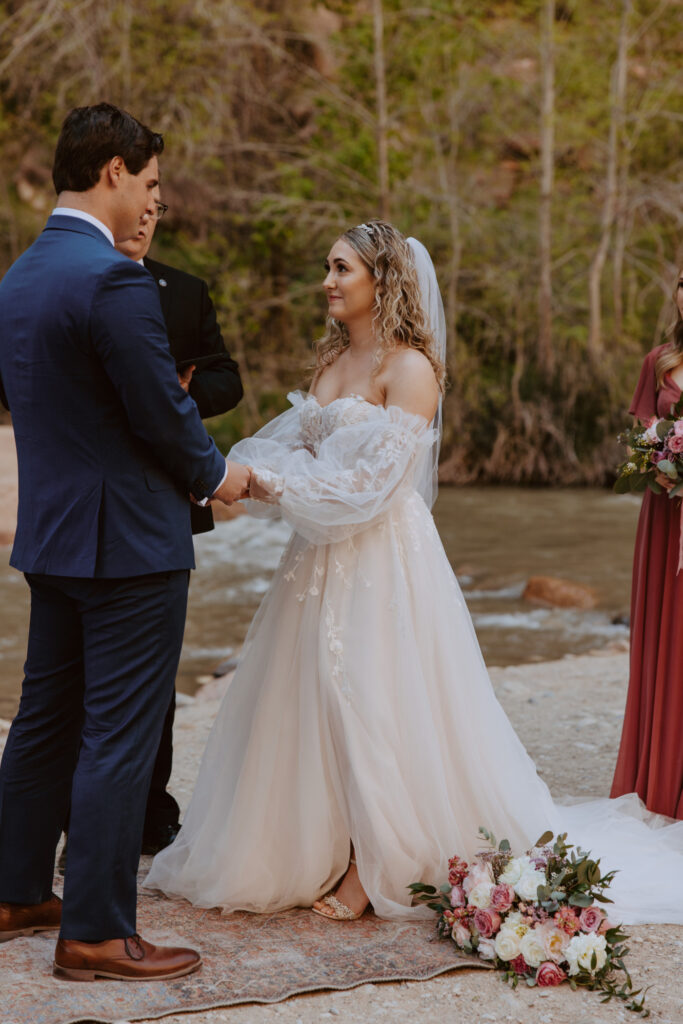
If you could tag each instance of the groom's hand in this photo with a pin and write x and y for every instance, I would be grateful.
(235, 485)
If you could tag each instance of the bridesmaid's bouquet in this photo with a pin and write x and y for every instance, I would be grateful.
(535, 917)
(654, 447)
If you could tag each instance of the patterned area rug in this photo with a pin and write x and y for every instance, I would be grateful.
(247, 958)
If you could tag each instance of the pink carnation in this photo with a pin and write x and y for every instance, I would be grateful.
(487, 922)
(502, 897)
(549, 974)
(566, 919)
(457, 869)
(590, 919)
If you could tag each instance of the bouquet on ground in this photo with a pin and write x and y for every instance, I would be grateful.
(535, 917)
(654, 447)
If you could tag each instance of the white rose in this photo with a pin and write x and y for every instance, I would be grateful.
(527, 886)
(480, 895)
(532, 949)
(477, 874)
(487, 949)
(507, 944)
(579, 953)
(514, 869)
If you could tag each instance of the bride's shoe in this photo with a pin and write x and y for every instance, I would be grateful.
(340, 911)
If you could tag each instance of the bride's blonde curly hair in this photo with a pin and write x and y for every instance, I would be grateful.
(399, 318)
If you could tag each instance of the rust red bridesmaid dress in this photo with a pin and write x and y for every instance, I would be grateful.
(650, 760)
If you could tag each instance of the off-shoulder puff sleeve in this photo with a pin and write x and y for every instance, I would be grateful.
(348, 481)
(644, 402)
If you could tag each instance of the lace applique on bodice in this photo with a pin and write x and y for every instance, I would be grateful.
(318, 422)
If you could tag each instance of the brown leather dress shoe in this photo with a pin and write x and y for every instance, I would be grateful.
(18, 919)
(130, 959)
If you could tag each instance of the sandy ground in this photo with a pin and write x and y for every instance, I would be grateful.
(568, 714)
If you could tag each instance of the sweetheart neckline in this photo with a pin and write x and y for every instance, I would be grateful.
(342, 398)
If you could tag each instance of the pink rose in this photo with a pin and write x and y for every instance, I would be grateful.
(519, 965)
(487, 922)
(460, 935)
(678, 428)
(675, 443)
(457, 896)
(554, 941)
(657, 457)
(502, 897)
(549, 974)
(590, 919)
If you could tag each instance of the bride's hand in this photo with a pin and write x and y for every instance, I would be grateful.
(257, 491)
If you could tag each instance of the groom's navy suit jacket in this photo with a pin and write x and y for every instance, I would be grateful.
(109, 445)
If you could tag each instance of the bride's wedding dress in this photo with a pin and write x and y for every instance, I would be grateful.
(362, 710)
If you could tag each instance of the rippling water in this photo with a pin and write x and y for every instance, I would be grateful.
(495, 539)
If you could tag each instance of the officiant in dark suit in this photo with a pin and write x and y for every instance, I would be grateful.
(212, 379)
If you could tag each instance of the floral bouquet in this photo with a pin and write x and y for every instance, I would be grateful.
(535, 917)
(654, 447)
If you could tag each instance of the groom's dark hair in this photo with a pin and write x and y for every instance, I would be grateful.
(91, 137)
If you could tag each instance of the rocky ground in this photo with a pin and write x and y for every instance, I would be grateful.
(568, 714)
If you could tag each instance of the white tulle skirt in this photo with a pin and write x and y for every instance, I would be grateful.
(362, 712)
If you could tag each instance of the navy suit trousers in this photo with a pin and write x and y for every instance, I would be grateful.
(99, 675)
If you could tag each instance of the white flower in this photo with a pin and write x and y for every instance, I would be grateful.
(460, 934)
(650, 435)
(532, 949)
(514, 869)
(527, 886)
(507, 944)
(477, 874)
(487, 949)
(480, 895)
(555, 941)
(579, 953)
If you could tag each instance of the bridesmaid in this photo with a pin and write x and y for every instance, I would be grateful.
(650, 760)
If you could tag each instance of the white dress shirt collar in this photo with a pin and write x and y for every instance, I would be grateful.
(66, 211)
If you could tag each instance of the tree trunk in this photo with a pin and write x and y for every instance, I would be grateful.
(381, 105)
(617, 98)
(545, 296)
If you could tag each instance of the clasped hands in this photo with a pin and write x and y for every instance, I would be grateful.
(239, 484)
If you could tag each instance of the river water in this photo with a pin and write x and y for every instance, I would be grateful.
(495, 538)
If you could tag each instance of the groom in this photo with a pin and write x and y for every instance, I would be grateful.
(110, 448)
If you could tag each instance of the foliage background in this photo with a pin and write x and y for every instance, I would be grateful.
(274, 128)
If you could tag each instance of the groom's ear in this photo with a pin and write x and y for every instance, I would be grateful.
(113, 171)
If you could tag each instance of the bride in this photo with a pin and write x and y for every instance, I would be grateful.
(360, 744)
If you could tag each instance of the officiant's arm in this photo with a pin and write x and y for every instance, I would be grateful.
(216, 387)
